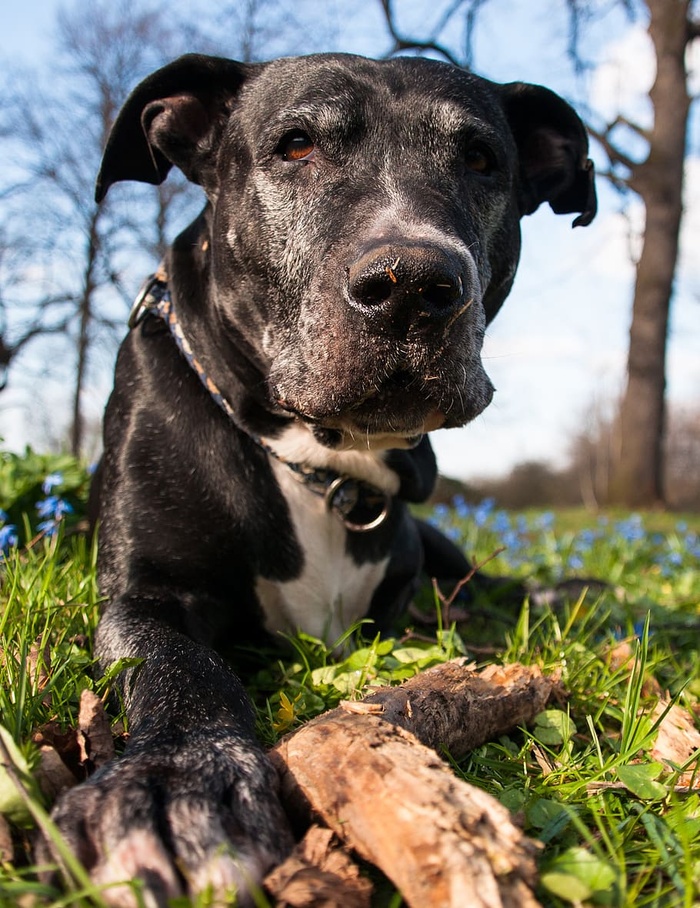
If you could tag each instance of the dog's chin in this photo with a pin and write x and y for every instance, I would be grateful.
(375, 435)
(391, 417)
(390, 425)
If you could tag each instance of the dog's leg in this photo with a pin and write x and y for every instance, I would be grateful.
(193, 801)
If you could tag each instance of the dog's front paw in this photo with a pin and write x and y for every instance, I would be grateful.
(182, 816)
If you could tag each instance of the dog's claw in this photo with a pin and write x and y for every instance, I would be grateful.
(178, 824)
(138, 856)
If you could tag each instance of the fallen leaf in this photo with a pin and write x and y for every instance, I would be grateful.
(677, 741)
(65, 743)
(39, 667)
(94, 731)
(52, 774)
(6, 848)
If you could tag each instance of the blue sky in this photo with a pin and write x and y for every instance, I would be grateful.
(558, 347)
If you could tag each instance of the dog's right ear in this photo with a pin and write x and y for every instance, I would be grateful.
(173, 117)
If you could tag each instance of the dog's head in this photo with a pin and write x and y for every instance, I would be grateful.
(365, 220)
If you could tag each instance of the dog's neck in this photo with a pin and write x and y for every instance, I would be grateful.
(356, 484)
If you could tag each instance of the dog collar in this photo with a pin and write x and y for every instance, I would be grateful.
(361, 507)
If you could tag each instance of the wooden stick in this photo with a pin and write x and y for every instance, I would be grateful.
(456, 708)
(363, 770)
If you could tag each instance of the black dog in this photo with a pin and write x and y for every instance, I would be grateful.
(269, 418)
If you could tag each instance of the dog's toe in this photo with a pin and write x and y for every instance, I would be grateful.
(160, 823)
(138, 856)
(219, 853)
(227, 876)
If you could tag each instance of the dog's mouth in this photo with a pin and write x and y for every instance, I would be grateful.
(403, 407)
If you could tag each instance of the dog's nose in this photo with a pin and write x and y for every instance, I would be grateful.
(413, 280)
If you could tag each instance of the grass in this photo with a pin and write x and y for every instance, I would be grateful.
(615, 828)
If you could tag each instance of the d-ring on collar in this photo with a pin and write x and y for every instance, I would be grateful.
(361, 507)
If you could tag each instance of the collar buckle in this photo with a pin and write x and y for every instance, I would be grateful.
(358, 505)
(150, 294)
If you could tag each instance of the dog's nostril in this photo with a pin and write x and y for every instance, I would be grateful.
(441, 296)
(374, 291)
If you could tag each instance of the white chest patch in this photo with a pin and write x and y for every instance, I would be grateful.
(332, 591)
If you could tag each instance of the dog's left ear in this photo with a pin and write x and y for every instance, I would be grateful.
(173, 117)
(553, 148)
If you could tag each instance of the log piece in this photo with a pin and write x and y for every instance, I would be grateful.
(451, 706)
(318, 874)
(364, 771)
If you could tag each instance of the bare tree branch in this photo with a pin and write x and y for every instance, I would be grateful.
(402, 43)
(613, 152)
(693, 29)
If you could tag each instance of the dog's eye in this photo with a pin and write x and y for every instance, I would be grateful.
(296, 146)
(479, 160)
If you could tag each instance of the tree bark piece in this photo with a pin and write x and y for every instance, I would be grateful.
(363, 770)
(453, 707)
(319, 874)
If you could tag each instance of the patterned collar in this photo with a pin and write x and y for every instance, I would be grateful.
(361, 507)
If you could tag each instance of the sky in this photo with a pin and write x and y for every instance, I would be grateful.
(557, 351)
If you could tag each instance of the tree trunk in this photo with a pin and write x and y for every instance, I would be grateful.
(77, 430)
(638, 479)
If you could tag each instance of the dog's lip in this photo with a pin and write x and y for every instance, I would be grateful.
(410, 435)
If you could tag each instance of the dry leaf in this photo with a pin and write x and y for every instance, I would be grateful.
(94, 731)
(52, 774)
(622, 656)
(6, 848)
(677, 741)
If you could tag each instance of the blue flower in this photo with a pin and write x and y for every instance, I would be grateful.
(462, 509)
(501, 522)
(585, 540)
(453, 533)
(47, 527)
(483, 510)
(62, 508)
(521, 524)
(50, 482)
(53, 508)
(47, 507)
(512, 541)
(8, 537)
(631, 530)
(546, 520)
